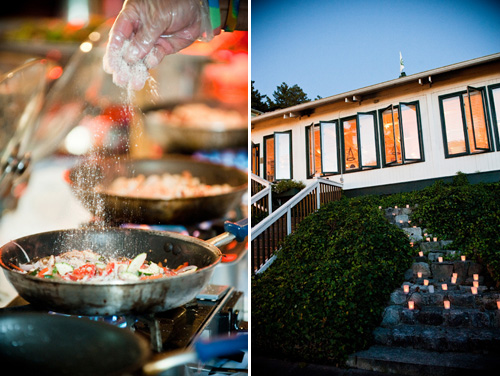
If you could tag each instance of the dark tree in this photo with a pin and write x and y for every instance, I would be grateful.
(287, 96)
(258, 100)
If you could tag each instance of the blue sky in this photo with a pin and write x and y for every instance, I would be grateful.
(329, 47)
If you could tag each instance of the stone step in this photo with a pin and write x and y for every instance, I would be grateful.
(434, 316)
(458, 296)
(415, 362)
(440, 338)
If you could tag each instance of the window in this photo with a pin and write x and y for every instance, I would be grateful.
(255, 159)
(313, 147)
(278, 156)
(401, 134)
(360, 142)
(322, 150)
(465, 128)
(494, 91)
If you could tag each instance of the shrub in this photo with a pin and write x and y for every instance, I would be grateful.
(285, 185)
(470, 216)
(325, 293)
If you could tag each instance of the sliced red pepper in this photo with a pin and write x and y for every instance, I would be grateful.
(108, 269)
(42, 272)
(181, 266)
(155, 276)
(87, 270)
(169, 272)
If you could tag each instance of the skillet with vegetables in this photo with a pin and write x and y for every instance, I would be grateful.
(89, 266)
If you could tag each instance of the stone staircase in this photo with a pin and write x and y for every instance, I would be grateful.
(421, 336)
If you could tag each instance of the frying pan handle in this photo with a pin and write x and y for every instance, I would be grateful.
(203, 351)
(238, 231)
(220, 347)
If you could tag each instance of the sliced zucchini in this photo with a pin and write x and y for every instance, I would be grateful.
(63, 268)
(151, 269)
(136, 263)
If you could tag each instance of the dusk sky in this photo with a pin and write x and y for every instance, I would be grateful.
(330, 47)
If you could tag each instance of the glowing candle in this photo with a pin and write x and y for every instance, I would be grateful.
(446, 304)
(473, 290)
(400, 221)
(435, 239)
(498, 304)
(453, 280)
(407, 206)
(421, 254)
(409, 221)
(406, 289)
(396, 207)
(380, 207)
(476, 277)
(440, 259)
(411, 304)
(428, 239)
(411, 244)
(444, 286)
(455, 275)
(475, 284)
(426, 282)
(419, 274)
(431, 289)
(462, 258)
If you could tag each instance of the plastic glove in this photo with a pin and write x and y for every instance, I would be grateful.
(146, 31)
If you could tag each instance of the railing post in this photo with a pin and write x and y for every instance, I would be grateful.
(289, 221)
(318, 195)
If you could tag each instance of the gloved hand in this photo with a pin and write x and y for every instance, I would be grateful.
(146, 31)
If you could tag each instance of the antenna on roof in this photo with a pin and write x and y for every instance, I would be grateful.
(401, 66)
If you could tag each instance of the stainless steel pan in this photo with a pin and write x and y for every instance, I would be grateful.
(190, 138)
(126, 209)
(112, 298)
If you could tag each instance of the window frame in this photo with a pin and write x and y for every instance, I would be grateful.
(320, 126)
(337, 149)
(404, 160)
(340, 129)
(496, 126)
(290, 153)
(463, 108)
(256, 163)
(265, 138)
(273, 136)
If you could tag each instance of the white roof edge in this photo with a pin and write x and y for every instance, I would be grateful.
(382, 85)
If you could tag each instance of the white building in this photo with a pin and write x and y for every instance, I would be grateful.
(398, 135)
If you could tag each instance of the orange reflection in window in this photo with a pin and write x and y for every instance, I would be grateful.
(316, 153)
(478, 132)
(270, 159)
(350, 145)
(392, 138)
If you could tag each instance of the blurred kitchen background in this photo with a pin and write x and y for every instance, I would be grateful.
(57, 104)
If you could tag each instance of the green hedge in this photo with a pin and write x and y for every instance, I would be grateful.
(323, 296)
(468, 214)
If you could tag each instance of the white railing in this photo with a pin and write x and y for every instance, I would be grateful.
(261, 202)
(267, 234)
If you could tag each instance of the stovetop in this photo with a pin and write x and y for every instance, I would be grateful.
(215, 312)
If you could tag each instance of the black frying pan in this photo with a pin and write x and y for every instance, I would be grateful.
(126, 209)
(55, 345)
(44, 344)
(111, 298)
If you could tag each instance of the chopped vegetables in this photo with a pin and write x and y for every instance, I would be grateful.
(88, 266)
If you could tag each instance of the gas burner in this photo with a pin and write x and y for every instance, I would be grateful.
(214, 312)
